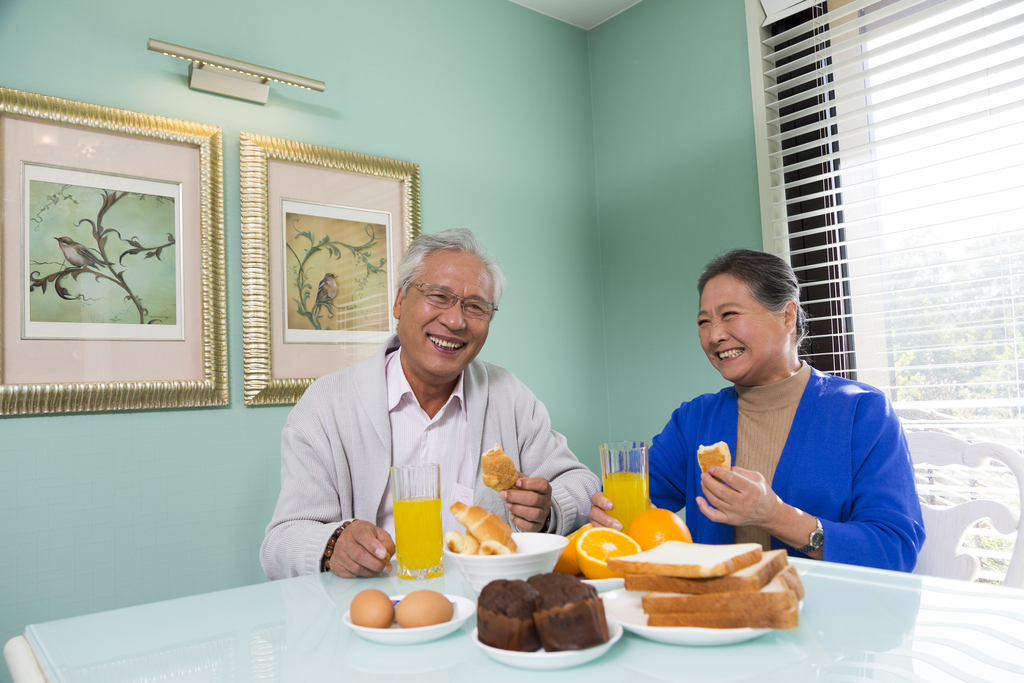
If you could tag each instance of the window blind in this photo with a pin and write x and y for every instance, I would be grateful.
(896, 144)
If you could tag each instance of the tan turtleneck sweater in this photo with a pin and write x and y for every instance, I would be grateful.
(765, 416)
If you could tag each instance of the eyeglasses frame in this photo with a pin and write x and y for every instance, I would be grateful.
(461, 300)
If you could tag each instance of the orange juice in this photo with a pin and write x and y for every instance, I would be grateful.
(418, 538)
(628, 492)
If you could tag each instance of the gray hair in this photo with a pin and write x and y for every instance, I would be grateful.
(771, 281)
(456, 239)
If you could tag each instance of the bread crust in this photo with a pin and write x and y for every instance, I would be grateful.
(788, 619)
(483, 525)
(748, 579)
(716, 454)
(497, 469)
(689, 560)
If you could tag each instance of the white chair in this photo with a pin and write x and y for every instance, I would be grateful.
(21, 661)
(946, 527)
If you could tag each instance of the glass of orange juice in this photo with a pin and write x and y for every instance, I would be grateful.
(625, 476)
(416, 495)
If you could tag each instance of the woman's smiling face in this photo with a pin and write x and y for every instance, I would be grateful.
(748, 344)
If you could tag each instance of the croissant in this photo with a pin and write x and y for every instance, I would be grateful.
(483, 525)
(462, 544)
(493, 548)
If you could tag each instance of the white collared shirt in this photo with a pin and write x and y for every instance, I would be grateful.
(417, 439)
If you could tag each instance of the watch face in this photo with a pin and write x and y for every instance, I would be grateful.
(817, 537)
(816, 540)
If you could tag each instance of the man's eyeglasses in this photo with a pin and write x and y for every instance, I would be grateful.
(436, 295)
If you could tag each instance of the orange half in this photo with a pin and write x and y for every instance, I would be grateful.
(567, 563)
(594, 547)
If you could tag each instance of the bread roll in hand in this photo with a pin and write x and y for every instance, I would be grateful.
(716, 454)
(498, 470)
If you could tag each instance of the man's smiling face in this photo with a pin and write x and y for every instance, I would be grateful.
(437, 343)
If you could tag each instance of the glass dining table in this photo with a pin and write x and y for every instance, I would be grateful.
(855, 624)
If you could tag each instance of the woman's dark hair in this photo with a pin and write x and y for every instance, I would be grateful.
(771, 281)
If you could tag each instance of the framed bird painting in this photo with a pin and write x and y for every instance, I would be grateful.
(322, 233)
(111, 286)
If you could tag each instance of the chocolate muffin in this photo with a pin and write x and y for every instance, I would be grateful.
(569, 614)
(504, 616)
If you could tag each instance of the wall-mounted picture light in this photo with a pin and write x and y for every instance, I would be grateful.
(226, 76)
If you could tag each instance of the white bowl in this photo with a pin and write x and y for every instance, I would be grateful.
(536, 554)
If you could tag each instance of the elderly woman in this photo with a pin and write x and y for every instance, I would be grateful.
(821, 466)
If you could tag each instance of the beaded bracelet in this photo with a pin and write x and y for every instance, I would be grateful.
(325, 563)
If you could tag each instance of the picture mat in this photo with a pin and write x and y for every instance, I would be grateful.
(314, 184)
(32, 329)
(47, 361)
(343, 213)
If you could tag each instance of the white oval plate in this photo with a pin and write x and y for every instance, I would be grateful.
(396, 635)
(625, 607)
(541, 660)
(605, 585)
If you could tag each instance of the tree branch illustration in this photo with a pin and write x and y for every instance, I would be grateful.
(334, 248)
(100, 267)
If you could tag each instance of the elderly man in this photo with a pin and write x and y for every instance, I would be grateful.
(422, 399)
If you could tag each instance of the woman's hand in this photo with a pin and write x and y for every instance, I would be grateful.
(743, 498)
(599, 512)
(740, 497)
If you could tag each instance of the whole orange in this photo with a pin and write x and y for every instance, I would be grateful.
(655, 526)
(567, 563)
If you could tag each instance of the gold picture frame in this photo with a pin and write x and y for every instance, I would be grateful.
(281, 361)
(79, 373)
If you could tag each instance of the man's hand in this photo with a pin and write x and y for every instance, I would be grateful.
(529, 502)
(600, 505)
(362, 550)
(740, 497)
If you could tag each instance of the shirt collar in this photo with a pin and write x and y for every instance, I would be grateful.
(399, 388)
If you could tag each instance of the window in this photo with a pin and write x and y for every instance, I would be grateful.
(895, 133)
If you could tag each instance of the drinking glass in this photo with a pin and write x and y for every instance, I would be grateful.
(625, 476)
(416, 495)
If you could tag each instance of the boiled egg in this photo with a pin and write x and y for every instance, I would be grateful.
(423, 608)
(372, 609)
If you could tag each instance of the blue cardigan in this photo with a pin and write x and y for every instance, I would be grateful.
(845, 461)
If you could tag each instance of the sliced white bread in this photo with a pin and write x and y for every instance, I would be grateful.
(778, 595)
(748, 579)
(689, 560)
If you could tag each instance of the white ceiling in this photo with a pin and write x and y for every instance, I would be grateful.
(583, 13)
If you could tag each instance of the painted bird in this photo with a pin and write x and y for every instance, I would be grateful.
(79, 255)
(326, 292)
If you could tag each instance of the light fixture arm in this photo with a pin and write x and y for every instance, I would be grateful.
(228, 68)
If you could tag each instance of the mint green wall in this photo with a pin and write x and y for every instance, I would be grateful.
(676, 185)
(492, 100)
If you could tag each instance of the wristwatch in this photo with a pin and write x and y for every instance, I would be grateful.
(816, 540)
